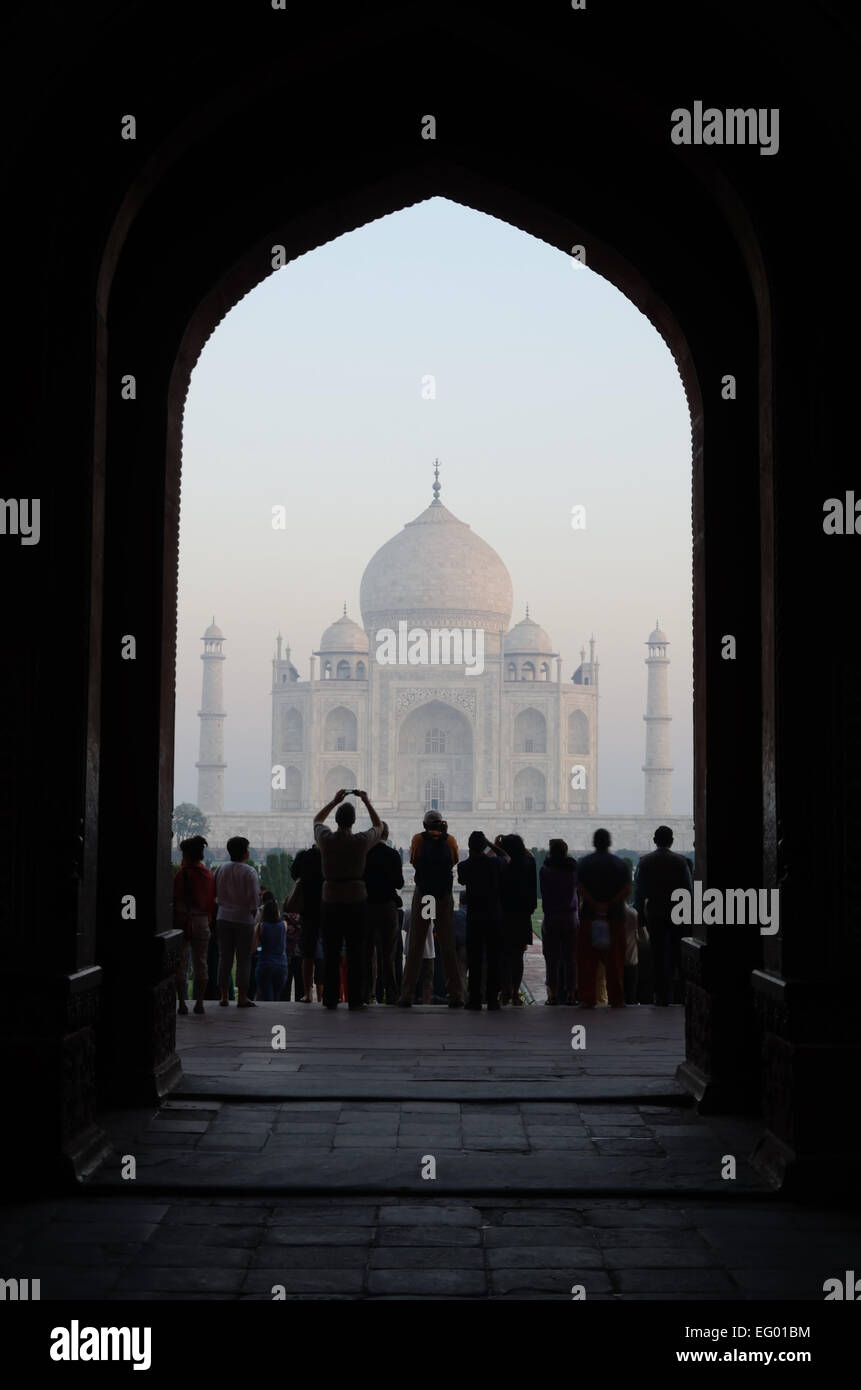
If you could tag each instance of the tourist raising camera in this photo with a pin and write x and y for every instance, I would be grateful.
(345, 897)
(433, 854)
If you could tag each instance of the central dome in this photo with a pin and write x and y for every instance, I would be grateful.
(436, 572)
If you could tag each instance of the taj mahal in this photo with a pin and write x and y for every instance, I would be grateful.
(436, 701)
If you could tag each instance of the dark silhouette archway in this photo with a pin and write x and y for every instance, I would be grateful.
(247, 143)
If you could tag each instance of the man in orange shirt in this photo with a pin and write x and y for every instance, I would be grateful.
(433, 854)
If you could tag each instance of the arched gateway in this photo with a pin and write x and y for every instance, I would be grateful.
(250, 147)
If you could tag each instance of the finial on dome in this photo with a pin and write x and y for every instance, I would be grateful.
(527, 612)
(436, 486)
(345, 608)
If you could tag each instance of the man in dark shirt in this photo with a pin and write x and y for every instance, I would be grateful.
(308, 870)
(480, 874)
(384, 875)
(604, 882)
(658, 875)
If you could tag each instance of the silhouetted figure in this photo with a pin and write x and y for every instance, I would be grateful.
(307, 873)
(519, 890)
(433, 853)
(345, 897)
(604, 885)
(237, 892)
(658, 875)
(384, 875)
(271, 936)
(558, 877)
(193, 908)
(481, 875)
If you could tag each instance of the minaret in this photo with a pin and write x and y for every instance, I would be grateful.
(657, 766)
(211, 764)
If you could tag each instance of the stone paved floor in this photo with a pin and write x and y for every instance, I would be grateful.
(492, 1248)
(302, 1167)
(381, 1146)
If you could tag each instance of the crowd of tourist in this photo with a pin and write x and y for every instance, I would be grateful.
(339, 934)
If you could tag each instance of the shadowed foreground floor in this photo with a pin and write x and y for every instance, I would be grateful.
(428, 1153)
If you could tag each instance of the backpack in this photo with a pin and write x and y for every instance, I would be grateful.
(433, 865)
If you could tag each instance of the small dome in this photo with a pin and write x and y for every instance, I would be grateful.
(528, 636)
(658, 636)
(213, 633)
(344, 636)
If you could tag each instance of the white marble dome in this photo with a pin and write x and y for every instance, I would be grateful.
(528, 637)
(436, 572)
(344, 636)
(657, 636)
(213, 633)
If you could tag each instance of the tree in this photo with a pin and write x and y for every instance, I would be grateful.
(275, 874)
(189, 820)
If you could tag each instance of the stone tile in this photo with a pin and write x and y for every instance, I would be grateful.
(623, 1148)
(438, 1145)
(232, 1140)
(556, 1141)
(619, 1132)
(91, 1254)
(477, 1143)
(558, 1281)
(187, 1214)
(318, 1235)
(287, 1257)
(666, 1283)
(210, 1236)
(430, 1215)
(162, 1139)
(297, 1214)
(164, 1254)
(188, 1281)
(97, 1232)
(413, 1256)
(351, 1140)
(574, 1257)
(428, 1235)
(451, 1283)
(171, 1124)
(566, 1130)
(370, 1108)
(536, 1218)
(507, 1237)
(375, 1124)
(304, 1126)
(305, 1281)
(431, 1107)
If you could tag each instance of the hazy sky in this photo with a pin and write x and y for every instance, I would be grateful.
(551, 390)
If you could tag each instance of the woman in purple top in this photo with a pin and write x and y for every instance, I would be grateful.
(558, 878)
